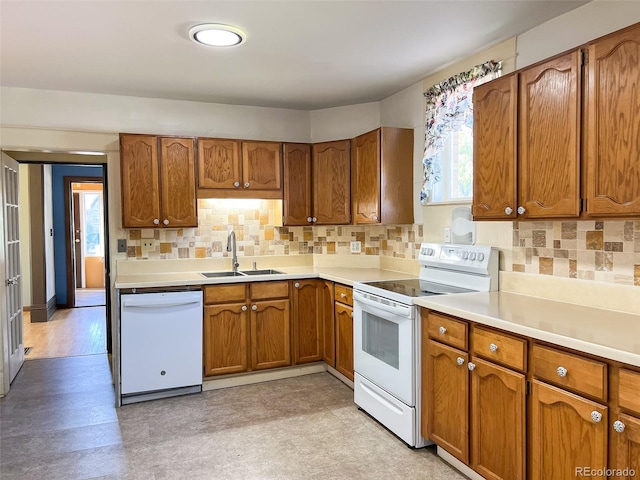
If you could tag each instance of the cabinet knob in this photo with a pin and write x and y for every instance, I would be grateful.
(561, 371)
(618, 426)
(244, 308)
(375, 217)
(310, 219)
(315, 219)
(508, 210)
(343, 295)
(351, 314)
(521, 210)
(246, 184)
(297, 285)
(236, 184)
(596, 416)
(156, 221)
(442, 330)
(165, 221)
(493, 347)
(254, 307)
(471, 366)
(460, 360)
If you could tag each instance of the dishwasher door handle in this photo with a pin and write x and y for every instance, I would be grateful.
(157, 302)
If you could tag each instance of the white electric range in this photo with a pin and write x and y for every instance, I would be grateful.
(386, 331)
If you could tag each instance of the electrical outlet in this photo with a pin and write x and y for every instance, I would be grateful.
(122, 245)
(356, 247)
(147, 244)
(447, 235)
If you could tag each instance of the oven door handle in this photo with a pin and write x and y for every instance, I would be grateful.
(401, 311)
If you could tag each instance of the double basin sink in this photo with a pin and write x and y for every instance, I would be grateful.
(243, 273)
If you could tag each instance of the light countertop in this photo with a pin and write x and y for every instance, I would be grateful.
(609, 334)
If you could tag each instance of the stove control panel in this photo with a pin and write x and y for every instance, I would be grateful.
(474, 258)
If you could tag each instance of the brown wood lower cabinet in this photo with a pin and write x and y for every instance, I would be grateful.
(344, 330)
(625, 446)
(270, 342)
(568, 433)
(328, 325)
(312, 313)
(225, 339)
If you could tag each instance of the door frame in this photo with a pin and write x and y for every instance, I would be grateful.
(69, 234)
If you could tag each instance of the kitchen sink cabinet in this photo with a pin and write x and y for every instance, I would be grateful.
(381, 170)
(158, 181)
(225, 339)
(527, 142)
(239, 169)
(344, 330)
(297, 200)
(332, 183)
(310, 311)
(270, 328)
(613, 125)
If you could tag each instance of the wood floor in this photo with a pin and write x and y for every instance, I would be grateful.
(70, 332)
(90, 297)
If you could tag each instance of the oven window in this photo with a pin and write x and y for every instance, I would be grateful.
(380, 339)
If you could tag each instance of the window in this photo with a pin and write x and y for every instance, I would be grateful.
(448, 153)
(92, 224)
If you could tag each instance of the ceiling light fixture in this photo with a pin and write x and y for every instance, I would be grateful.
(217, 35)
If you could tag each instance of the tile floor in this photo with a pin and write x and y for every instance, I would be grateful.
(59, 422)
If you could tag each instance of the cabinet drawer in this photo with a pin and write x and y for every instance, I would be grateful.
(628, 390)
(447, 330)
(583, 375)
(263, 290)
(500, 347)
(233, 292)
(344, 294)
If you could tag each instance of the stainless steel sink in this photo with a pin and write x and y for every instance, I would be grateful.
(267, 271)
(222, 274)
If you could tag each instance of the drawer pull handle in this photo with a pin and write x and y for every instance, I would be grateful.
(460, 360)
(471, 366)
(561, 371)
(244, 308)
(596, 416)
(493, 347)
(618, 426)
(442, 330)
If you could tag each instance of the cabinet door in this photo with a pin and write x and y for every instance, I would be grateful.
(328, 324)
(297, 184)
(225, 339)
(613, 125)
(140, 181)
(270, 347)
(549, 138)
(219, 163)
(626, 447)
(564, 435)
(178, 174)
(445, 395)
(344, 340)
(307, 321)
(332, 183)
(261, 166)
(497, 422)
(494, 149)
(365, 178)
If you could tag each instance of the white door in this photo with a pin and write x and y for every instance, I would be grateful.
(13, 287)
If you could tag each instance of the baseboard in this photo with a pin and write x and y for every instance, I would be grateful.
(339, 376)
(264, 376)
(52, 306)
(26, 308)
(458, 465)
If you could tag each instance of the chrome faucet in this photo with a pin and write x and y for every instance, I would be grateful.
(231, 246)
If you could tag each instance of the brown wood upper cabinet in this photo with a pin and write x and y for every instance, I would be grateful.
(613, 125)
(332, 183)
(239, 169)
(158, 181)
(527, 142)
(297, 200)
(381, 174)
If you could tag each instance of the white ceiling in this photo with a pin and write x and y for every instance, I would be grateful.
(299, 54)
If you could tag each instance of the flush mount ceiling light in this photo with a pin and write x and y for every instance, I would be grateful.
(217, 35)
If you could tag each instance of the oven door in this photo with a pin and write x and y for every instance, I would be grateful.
(384, 344)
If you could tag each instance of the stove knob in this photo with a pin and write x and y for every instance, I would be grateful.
(472, 256)
(431, 251)
(465, 255)
(480, 256)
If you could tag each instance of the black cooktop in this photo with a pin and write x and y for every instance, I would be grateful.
(415, 287)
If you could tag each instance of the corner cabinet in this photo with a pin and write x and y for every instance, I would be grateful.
(332, 183)
(311, 309)
(239, 169)
(382, 176)
(297, 201)
(613, 125)
(158, 181)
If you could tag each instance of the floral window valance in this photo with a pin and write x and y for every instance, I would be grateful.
(449, 107)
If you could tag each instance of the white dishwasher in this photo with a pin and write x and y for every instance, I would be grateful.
(160, 344)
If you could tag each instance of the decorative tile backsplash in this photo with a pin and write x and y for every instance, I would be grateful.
(253, 220)
(607, 251)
